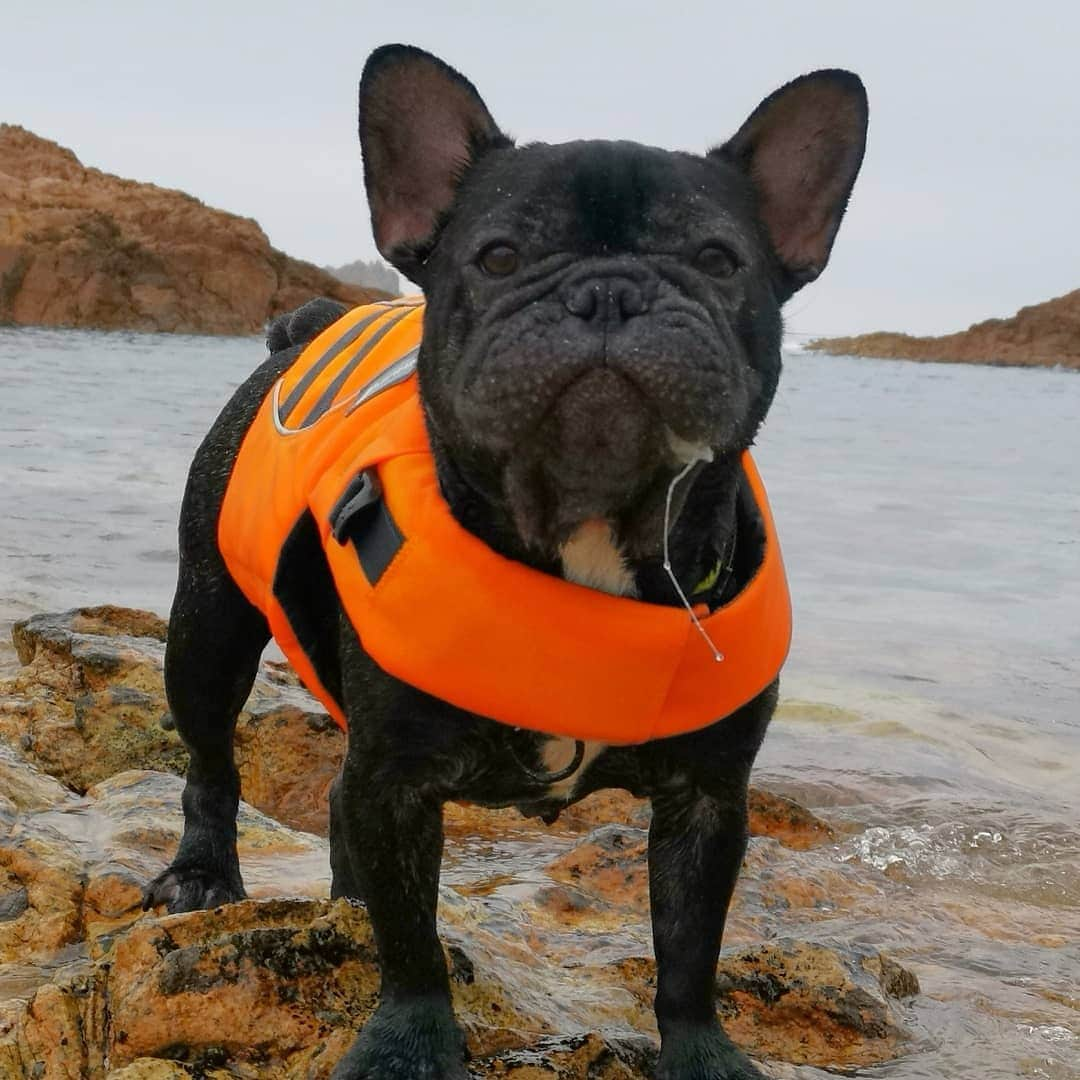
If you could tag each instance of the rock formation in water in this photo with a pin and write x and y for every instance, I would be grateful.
(547, 941)
(79, 247)
(1043, 335)
(372, 275)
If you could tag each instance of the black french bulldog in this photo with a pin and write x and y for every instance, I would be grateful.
(599, 315)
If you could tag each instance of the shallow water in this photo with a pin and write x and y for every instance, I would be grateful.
(930, 517)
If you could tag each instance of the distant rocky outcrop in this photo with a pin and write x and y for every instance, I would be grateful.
(373, 275)
(1042, 335)
(79, 247)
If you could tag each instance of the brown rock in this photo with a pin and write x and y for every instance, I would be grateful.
(41, 891)
(57, 1038)
(800, 1003)
(810, 1004)
(12, 1021)
(24, 787)
(581, 1057)
(272, 989)
(609, 807)
(79, 247)
(278, 984)
(90, 701)
(288, 752)
(1042, 335)
(770, 815)
(786, 821)
(157, 1069)
(609, 867)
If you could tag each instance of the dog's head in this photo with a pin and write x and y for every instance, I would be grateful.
(599, 313)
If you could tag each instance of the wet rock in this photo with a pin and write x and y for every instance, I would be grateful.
(610, 868)
(609, 807)
(894, 979)
(288, 752)
(41, 891)
(547, 930)
(273, 989)
(811, 1004)
(106, 620)
(800, 1003)
(280, 985)
(581, 1057)
(74, 871)
(157, 1069)
(134, 824)
(60, 1035)
(12, 1019)
(770, 815)
(90, 701)
(785, 821)
(24, 787)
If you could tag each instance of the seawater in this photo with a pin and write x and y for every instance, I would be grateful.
(930, 521)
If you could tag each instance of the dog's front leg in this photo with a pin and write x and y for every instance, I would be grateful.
(387, 841)
(696, 845)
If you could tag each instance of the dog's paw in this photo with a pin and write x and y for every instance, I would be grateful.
(191, 889)
(702, 1052)
(414, 1040)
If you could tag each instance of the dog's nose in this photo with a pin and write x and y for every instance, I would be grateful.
(606, 299)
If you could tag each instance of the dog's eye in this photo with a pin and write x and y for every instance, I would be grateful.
(717, 261)
(499, 260)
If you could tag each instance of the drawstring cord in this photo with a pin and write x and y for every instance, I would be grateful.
(718, 656)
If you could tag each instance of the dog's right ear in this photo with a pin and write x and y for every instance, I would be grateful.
(422, 124)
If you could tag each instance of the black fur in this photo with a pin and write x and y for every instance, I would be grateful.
(641, 317)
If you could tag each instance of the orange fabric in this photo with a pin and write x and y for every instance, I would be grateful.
(457, 620)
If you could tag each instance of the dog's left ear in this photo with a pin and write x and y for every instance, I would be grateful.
(802, 148)
(422, 124)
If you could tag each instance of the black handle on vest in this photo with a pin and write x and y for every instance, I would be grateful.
(363, 491)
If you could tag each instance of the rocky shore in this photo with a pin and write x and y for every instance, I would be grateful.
(546, 929)
(82, 248)
(1042, 335)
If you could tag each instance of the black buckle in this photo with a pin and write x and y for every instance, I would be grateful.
(363, 491)
(362, 518)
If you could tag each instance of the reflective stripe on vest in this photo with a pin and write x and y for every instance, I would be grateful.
(341, 437)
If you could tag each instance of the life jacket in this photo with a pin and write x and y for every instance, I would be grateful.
(341, 440)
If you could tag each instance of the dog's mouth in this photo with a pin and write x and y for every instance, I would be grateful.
(600, 454)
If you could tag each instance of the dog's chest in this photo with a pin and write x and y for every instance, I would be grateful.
(590, 558)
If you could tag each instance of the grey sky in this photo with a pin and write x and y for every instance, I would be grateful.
(967, 206)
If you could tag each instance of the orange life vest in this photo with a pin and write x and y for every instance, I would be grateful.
(342, 437)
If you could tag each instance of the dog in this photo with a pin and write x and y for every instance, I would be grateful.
(601, 343)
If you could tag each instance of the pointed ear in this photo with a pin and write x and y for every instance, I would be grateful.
(802, 147)
(422, 124)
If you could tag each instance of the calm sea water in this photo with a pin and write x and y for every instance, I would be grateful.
(930, 519)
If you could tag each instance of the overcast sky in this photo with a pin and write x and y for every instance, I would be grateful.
(968, 205)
